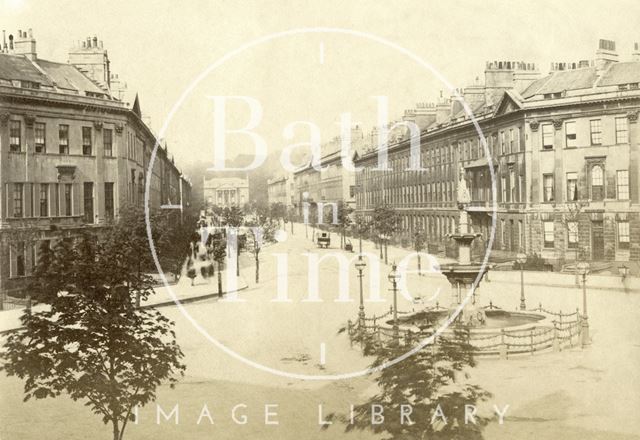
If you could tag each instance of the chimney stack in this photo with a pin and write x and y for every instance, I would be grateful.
(93, 60)
(25, 44)
(635, 55)
(443, 109)
(504, 75)
(605, 55)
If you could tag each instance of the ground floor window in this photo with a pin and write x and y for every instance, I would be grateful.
(572, 235)
(623, 235)
(18, 259)
(549, 230)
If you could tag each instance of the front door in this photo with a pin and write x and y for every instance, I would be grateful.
(597, 240)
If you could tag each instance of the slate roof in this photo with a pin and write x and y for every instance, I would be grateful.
(562, 80)
(65, 78)
(621, 73)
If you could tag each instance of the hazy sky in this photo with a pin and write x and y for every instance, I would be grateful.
(159, 47)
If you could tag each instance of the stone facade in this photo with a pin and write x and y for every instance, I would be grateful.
(562, 153)
(71, 157)
(225, 192)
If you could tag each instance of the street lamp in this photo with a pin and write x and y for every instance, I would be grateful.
(583, 269)
(394, 277)
(521, 259)
(361, 265)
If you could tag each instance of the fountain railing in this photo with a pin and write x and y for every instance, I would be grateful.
(503, 343)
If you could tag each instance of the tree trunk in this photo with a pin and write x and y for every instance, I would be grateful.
(257, 269)
(219, 278)
(386, 253)
(419, 266)
(116, 429)
(237, 260)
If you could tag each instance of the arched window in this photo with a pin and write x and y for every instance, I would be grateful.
(597, 182)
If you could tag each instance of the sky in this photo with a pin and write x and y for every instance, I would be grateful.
(160, 47)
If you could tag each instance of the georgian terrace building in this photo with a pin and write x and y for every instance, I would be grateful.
(565, 155)
(71, 155)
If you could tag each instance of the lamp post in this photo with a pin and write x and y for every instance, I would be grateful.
(522, 258)
(360, 265)
(583, 269)
(394, 277)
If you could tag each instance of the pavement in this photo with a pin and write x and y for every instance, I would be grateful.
(280, 342)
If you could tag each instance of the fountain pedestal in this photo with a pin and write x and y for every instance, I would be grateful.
(463, 274)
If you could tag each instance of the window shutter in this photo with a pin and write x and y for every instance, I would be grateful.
(9, 195)
(78, 208)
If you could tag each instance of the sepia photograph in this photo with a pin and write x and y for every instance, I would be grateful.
(320, 220)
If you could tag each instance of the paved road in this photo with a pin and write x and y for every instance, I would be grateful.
(573, 394)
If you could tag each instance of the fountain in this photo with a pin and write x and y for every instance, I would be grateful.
(465, 276)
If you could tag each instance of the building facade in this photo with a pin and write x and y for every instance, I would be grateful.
(225, 192)
(71, 156)
(560, 173)
(328, 181)
(280, 190)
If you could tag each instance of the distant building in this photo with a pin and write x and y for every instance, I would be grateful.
(332, 183)
(225, 192)
(71, 155)
(280, 190)
(564, 151)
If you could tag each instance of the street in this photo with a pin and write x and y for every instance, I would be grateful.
(568, 394)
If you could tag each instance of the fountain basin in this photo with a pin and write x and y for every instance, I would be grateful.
(495, 319)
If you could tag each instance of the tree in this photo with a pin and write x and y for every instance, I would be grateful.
(571, 218)
(385, 222)
(362, 226)
(172, 244)
(92, 342)
(218, 245)
(261, 231)
(419, 241)
(344, 221)
(434, 380)
(234, 217)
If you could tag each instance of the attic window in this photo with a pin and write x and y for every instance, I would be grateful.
(29, 85)
(557, 95)
(547, 96)
(633, 86)
(95, 95)
(623, 86)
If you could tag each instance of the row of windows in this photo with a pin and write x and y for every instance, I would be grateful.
(595, 133)
(40, 139)
(596, 186)
(622, 229)
(63, 198)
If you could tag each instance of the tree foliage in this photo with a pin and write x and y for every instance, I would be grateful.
(434, 380)
(92, 342)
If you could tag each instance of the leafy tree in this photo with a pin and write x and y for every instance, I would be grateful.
(344, 221)
(172, 244)
(361, 226)
(261, 231)
(218, 245)
(434, 380)
(385, 222)
(92, 342)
